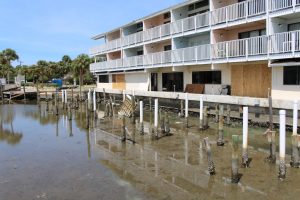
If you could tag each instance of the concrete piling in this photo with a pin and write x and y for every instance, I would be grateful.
(156, 118)
(211, 166)
(245, 159)
(141, 118)
(186, 110)
(94, 101)
(201, 113)
(235, 176)
(282, 137)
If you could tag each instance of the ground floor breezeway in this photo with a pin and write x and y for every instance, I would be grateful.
(251, 79)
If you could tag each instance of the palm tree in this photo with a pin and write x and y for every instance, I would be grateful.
(80, 67)
(9, 55)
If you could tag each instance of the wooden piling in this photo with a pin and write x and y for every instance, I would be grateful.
(167, 124)
(205, 118)
(235, 177)
(141, 129)
(211, 166)
(217, 113)
(220, 141)
(228, 115)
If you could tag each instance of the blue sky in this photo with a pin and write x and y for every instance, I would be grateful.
(49, 29)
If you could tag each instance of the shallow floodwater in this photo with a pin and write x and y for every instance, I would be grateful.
(48, 157)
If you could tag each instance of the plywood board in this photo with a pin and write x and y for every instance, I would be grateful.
(237, 81)
(118, 81)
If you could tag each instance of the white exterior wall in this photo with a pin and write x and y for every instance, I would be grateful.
(105, 85)
(280, 91)
(137, 81)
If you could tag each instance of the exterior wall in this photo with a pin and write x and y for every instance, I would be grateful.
(114, 55)
(137, 81)
(157, 47)
(105, 85)
(215, 4)
(113, 36)
(250, 79)
(155, 21)
(280, 91)
(221, 35)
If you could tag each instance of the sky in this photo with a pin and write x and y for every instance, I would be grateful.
(49, 29)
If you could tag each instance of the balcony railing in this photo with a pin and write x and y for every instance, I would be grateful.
(231, 13)
(238, 11)
(222, 52)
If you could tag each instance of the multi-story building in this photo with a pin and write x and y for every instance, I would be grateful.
(231, 46)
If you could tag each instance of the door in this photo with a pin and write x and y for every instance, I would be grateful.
(154, 82)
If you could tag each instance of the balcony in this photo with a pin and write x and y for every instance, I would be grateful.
(239, 11)
(182, 26)
(278, 46)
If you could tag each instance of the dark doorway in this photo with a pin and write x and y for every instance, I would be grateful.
(154, 82)
(172, 82)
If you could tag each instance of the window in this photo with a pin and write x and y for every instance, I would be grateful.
(207, 77)
(167, 15)
(172, 81)
(254, 33)
(168, 48)
(139, 53)
(103, 79)
(291, 75)
(294, 27)
(198, 5)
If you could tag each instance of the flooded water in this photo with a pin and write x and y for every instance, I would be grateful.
(48, 157)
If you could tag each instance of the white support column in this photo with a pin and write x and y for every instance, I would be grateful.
(295, 118)
(201, 108)
(62, 96)
(186, 105)
(245, 127)
(282, 114)
(94, 101)
(141, 112)
(156, 113)
(66, 96)
(89, 96)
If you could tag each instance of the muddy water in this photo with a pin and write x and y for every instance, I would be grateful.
(45, 157)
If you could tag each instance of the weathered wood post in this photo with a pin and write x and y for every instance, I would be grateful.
(241, 111)
(235, 177)
(245, 159)
(56, 102)
(156, 118)
(89, 97)
(295, 141)
(205, 118)
(211, 166)
(123, 92)
(201, 113)
(47, 102)
(228, 115)
(186, 110)
(181, 114)
(124, 128)
(1, 92)
(217, 113)
(70, 112)
(62, 96)
(282, 135)
(270, 110)
(167, 123)
(141, 118)
(220, 141)
(104, 95)
(162, 121)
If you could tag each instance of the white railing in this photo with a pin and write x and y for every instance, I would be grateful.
(238, 11)
(282, 45)
(280, 4)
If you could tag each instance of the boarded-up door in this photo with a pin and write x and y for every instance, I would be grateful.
(251, 80)
(118, 81)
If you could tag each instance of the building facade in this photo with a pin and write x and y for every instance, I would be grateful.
(235, 47)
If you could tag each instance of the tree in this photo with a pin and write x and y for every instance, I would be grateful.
(80, 66)
(8, 55)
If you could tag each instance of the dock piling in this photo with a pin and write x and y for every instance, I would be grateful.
(295, 162)
(228, 115)
(220, 141)
(235, 176)
(141, 118)
(201, 113)
(282, 137)
(156, 118)
(245, 159)
(211, 166)
(186, 110)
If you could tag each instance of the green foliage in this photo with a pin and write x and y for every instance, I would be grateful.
(44, 71)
